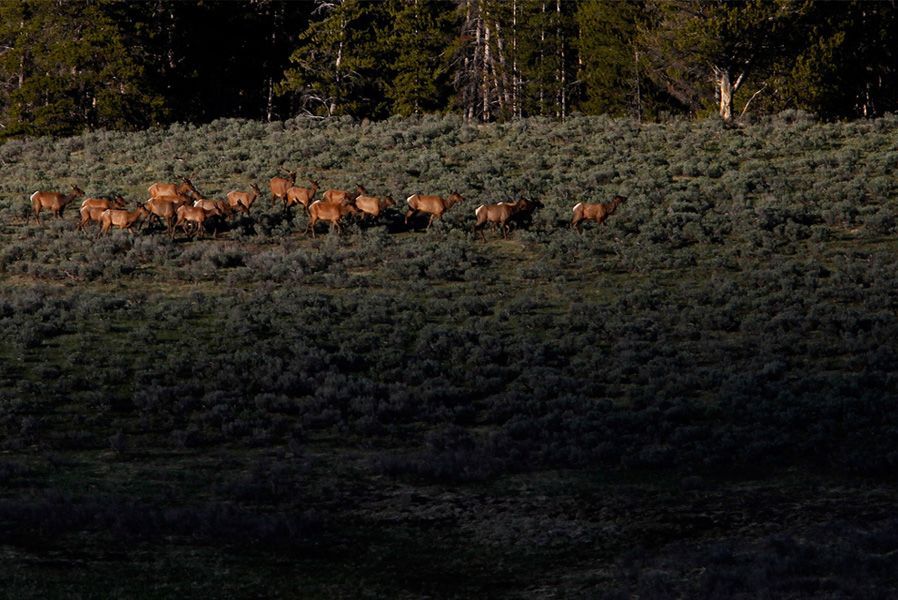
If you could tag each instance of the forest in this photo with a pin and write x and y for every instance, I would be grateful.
(692, 400)
(67, 67)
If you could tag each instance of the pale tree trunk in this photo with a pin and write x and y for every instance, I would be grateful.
(476, 65)
(485, 115)
(542, 45)
(725, 90)
(467, 97)
(562, 75)
(515, 77)
(337, 78)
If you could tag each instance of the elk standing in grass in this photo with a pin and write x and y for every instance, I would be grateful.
(300, 195)
(501, 214)
(331, 212)
(123, 219)
(594, 212)
(280, 185)
(435, 206)
(243, 201)
(55, 202)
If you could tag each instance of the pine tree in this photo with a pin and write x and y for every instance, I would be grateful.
(419, 41)
(337, 64)
(67, 67)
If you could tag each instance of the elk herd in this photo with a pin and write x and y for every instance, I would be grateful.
(181, 206)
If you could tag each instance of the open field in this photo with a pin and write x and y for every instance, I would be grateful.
(694, 400)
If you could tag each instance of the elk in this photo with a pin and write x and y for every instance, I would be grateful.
(165, 211)
(372, 206)
(90, 213)
(52, 201)
(243, 201)
(92, 208)
(338, 197)
(216, 208)
(185, 189)
(329, 211)
(280, 185)
(435, 206)
(117, 202)
(501, 214)
(301, 195)
(594, 212)
(123, 219)
(196, 215)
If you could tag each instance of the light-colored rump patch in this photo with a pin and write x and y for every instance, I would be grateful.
(409, 199)
(478, 210)
(34, 194)
(577, 205)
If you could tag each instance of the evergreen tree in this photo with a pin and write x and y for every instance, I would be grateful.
(67, 67)
(609, 58)
(337, 67)
(419, 38)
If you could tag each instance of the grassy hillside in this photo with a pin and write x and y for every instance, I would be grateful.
(695, 400)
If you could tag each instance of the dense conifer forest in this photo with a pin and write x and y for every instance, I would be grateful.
(66, 66)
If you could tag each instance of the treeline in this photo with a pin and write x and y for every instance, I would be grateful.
(68, 66)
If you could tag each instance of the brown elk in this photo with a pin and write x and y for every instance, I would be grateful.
(92, 208)
(280, 185)
(214, 208)
(329, 211)
(117, 202)
(165, 211)
(55, 202)
(502, 214)
(123, 219)
(90, 214)
(243, 201)
(594, 212)
(185, 189)
(372, 206)
(435, 206)
(300, 195)
(195, 215)
(338, 197)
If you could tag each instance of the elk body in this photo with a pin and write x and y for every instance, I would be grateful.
(92, 208)
(501, 214)
(55, 202)
(300, 195)
(164, 210)
(214, 208)
(338, 197)
(243, 201)
(195, 215)
(331, 212)
(435, 206)
(372, 206)
(185, 189)
(122, 219)
(594, 212)
(279, 187)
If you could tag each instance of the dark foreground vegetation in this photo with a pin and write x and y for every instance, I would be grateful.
(694, 400)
